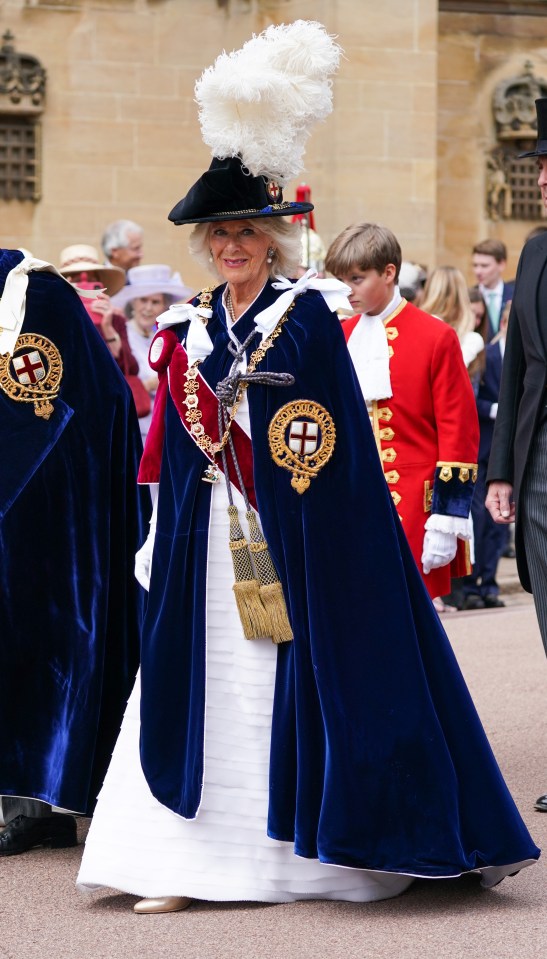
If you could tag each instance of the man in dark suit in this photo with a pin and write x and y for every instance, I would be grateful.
(489, 262)
(480, 589)
(517, 470)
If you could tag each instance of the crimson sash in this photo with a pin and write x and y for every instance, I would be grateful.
(208, 405)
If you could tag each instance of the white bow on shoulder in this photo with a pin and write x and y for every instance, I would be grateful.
(12, 303)
(334, 293)
(198, 341)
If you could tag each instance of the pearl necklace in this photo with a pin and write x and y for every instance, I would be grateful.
(230, 307)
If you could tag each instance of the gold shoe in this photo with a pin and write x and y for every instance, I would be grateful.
(163, 904)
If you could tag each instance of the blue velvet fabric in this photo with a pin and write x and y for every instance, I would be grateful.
(452, 497)
(71, 519)
(378, 758)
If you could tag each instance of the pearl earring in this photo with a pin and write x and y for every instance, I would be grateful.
(210, 256)
(271, 254)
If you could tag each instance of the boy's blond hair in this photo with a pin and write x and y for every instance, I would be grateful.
(364, 246)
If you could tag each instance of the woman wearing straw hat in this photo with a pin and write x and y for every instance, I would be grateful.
(81, 266)
(252, 770)
(150, 290)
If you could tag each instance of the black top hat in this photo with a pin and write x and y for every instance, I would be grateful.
(227, 191)
(541, 145)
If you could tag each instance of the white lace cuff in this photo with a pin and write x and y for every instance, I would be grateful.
(462, 527)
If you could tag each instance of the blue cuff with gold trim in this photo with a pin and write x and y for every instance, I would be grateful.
(453, 488)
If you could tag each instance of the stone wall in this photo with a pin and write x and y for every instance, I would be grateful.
(476, 52)
(120, 130)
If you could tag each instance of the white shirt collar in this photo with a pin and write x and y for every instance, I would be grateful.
(497, 290)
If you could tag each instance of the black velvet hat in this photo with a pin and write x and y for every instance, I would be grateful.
(227, 191)
(541, 145)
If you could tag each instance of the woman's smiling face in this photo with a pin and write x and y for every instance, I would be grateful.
(239, 250)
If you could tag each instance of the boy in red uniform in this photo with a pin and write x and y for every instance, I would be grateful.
(418, 393)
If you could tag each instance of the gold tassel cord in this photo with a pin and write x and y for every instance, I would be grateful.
(272, 597)
(271, 590)
(253, 567)
(246, 588)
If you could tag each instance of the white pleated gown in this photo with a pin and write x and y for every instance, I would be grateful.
(139, 846)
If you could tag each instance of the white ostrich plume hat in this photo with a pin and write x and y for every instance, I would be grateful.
(259, 102)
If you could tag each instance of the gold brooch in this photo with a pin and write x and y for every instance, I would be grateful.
(301, 437)
(33, 374)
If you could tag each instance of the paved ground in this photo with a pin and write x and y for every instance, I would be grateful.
(43, 917)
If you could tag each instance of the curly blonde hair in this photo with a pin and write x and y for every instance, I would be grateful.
(284, 236)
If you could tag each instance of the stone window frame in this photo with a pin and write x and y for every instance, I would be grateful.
(22, 94)
(20, 157)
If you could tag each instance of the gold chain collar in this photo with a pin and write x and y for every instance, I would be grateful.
(194, 415)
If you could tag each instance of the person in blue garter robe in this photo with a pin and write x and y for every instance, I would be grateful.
(248, 769)
(71, 518)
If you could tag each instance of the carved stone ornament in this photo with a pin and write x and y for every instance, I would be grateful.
(511, 182)
(499, 198)
(22, 80)
(514, 108)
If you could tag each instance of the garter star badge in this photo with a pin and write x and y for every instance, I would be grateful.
(301, 437)
(33, 374)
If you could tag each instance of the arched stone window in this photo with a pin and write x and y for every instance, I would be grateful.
(22, 93)
(511, 184)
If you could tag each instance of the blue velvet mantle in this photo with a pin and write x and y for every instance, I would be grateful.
(70, 522)
(378, 758)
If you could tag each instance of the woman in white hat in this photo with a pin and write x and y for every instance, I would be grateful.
(150, 290)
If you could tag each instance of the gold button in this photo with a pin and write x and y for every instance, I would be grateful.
(384, 413)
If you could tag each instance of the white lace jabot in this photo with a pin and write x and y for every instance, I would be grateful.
(369, 350)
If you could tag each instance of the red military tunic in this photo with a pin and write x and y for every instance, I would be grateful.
(427, 433)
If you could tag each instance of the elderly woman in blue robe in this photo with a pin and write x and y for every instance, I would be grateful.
(299, 708)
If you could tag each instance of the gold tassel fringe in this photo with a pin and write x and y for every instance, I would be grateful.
(279, 627)
(252, 614)
(246, 587)
(271, 591)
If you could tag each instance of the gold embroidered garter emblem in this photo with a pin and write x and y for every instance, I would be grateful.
(33, 374)
(301, 437)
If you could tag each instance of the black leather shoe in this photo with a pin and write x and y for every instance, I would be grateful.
(473, 601)
(541, 803)
(24, 832)
(492, 601)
